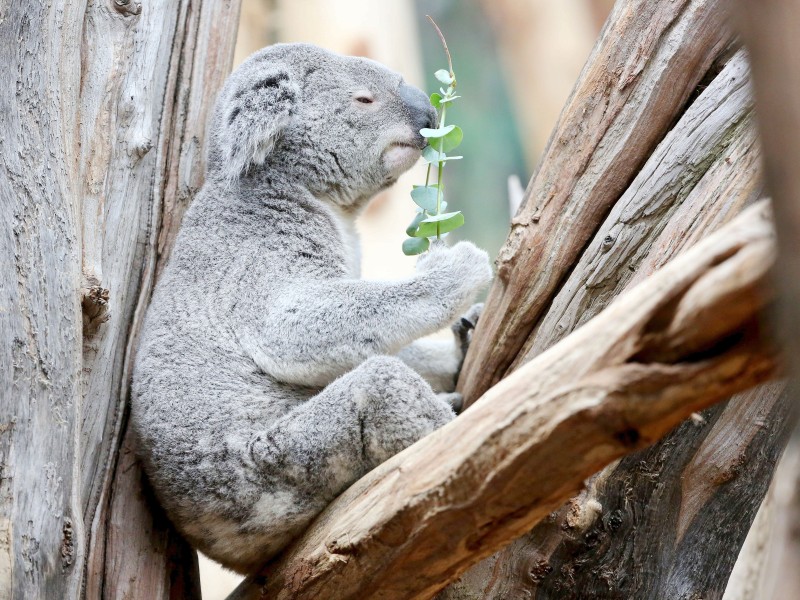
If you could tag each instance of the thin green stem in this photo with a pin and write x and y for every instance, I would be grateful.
(440, 170)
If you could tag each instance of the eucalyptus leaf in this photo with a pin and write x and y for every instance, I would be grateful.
(433, 156)
(438, 224)
(415, 245)
(436, 100)
(444, 76)
(437, 133)
(443, 217)
(425, 197)
(447, 99)
(451, 140)
(415, 223)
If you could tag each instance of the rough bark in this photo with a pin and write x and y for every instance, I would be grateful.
(646, 65)
(700, 176)
(664, 523)
(615, 385)
(89, 92)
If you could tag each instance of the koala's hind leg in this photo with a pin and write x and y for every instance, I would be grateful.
(358, 421)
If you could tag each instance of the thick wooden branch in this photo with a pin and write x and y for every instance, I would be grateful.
(529, 443)
(88, 93)
(649, 60)
(703, 173)
(698, 152)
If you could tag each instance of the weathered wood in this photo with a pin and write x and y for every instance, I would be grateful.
(42, 538)
(663, 523)
(647, 63)
(769, 29)
(142, 556)
(526, 446)
(780, 575)
(86, 90)
(715, 128)
(700, 176)
(745, 581)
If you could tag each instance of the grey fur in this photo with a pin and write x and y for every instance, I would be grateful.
(269, 376)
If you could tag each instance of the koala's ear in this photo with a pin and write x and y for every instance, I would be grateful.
(253, 117)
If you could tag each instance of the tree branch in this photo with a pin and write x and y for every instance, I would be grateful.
(528, 444)
(650, 59)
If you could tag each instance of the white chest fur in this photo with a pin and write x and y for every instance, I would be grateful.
(346, 225)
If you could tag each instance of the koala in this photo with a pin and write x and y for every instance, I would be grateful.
(269, 377)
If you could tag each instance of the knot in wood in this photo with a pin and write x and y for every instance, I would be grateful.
(128, 7)
(94, 303)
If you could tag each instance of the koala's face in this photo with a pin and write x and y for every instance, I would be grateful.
(345, 127)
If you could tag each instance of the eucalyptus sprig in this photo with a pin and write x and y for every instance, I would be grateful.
(431, 219)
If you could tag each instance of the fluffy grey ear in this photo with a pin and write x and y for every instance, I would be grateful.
(252, 118)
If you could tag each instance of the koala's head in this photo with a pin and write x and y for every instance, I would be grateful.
(342, 126)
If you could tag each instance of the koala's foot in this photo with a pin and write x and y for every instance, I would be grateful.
(358, 421)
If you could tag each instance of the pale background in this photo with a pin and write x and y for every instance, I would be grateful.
(516, 62)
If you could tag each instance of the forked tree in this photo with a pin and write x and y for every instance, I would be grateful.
(623, 420)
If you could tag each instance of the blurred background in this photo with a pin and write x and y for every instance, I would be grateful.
(516, 62)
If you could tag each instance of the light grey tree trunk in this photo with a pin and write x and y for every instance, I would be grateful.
(103, 106)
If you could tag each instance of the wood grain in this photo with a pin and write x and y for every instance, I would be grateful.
(688, 188)
(650, 58)
(86, 92)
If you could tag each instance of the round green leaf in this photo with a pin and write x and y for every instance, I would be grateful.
(431, 226)
(444, 76)
(451, 139)
(415, 245)
(437, 133)
(436, 100)
(425, 197)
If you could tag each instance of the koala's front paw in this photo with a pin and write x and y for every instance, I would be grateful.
(464, 265)
(464, 327)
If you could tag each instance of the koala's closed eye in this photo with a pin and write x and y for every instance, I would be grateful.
(364, 98)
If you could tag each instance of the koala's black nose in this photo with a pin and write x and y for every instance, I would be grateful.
(419, 107)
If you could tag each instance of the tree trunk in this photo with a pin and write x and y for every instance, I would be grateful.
(103, 109)
(649, 60)
(703, 172)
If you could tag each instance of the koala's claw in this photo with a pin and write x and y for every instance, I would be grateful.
(463, 328)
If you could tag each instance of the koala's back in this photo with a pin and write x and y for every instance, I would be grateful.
(198, 398)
